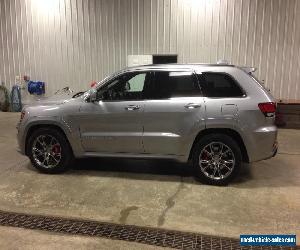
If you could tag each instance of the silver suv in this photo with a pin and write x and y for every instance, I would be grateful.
(214, 116)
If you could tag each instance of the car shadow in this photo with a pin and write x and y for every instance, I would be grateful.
(158, 170)
(269, 173)
(165, 170)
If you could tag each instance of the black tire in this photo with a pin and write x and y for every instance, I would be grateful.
(230, 143)
(65, 151)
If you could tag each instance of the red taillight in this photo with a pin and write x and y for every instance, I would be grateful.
(267, 108)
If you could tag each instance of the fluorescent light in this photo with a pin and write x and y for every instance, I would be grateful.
(47, 7)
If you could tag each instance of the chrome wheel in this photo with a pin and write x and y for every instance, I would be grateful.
(216, 160)
(46, 151)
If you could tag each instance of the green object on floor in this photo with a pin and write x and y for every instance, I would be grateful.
(4, 99)
(16, 103)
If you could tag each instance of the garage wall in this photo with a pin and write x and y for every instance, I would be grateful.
(72, 42)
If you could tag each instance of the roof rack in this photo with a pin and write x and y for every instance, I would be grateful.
(223, 62)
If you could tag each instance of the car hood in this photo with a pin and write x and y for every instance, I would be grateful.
(53, 108)
(52, 100)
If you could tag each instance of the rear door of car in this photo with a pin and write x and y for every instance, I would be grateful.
(174, 112)
(222, 94)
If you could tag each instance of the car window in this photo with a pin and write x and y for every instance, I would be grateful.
(219, 85)
(167, 84)
(128, 86)
(136, 83)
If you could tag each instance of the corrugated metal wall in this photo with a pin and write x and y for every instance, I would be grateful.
(72, 42)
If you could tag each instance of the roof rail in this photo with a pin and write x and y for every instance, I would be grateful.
(223, 62)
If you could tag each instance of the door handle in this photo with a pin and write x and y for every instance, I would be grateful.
(132, 107)
(192, 105)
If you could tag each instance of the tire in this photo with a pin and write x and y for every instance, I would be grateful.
(216, 167)
(59, 156)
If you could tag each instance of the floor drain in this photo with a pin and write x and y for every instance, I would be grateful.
(150, 236)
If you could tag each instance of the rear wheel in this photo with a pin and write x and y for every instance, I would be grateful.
(216, 159)
(49, 151)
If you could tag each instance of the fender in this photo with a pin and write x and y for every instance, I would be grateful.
(72, 134)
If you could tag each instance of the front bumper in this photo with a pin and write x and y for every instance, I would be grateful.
(20, 139)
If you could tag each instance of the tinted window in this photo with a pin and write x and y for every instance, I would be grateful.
(174, 84)
(136, 83)
(129, 86)
(219, 85)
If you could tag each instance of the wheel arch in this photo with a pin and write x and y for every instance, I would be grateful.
(34, 127)
(226, 131)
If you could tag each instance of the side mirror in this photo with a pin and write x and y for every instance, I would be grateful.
(93, 95)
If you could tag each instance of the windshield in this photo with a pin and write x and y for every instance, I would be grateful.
(98, 85)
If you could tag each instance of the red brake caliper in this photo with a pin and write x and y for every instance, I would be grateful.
(56, 149)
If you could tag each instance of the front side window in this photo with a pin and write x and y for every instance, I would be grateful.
(219, 85)
(169, 84)
(129, 86)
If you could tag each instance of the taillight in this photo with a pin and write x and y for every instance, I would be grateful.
(267, 108)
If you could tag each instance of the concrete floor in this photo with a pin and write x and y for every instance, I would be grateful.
(264, 199)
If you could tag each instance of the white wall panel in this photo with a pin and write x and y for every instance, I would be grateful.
(72, 42)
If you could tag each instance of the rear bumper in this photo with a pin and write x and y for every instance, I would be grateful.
(262, 143)
(275, 149)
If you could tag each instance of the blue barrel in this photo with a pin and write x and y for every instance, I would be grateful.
(36, 88)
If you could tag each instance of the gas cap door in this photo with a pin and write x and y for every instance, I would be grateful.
(229, 110)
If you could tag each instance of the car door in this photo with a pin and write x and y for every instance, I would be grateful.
(222, 94)
(174, 113)
(113, 124)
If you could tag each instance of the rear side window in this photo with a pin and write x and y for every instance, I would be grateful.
(174, 84)
(219, 85)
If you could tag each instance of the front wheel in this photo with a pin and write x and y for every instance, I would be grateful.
(49, 151)
(216, 159)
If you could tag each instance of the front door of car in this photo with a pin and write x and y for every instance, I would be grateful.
(174, 113)
(113, 124)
